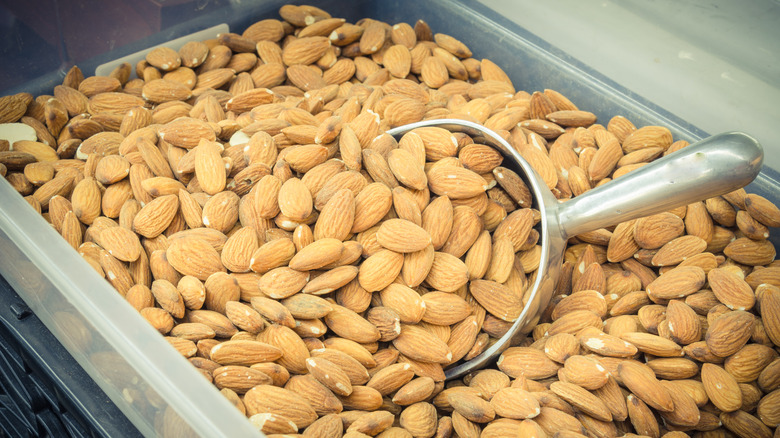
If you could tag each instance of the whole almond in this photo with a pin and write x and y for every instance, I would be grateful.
(447, 273)
(419, 419)
(605, 344)
(121, 243)
(497, 299)
(641, 380)
(731, 290)
(350, 325)
(533, 363)
(186, 132)
(641, 416)
(402, 236)
(270, 399)
(678, 250)
(406, 169)
(677, 283)
(721, 388)
(419, 344)
(305, 50)
(337, 218)
(455, 182)
(390, 378)
(317, 254)
(443, 308)
(85, 200)
(380, 269)
(209, 168)
(295, 200)
(582, 399)
(154, 217)
(729, 332)
(515, 403)
(194, 257)
(282, 282)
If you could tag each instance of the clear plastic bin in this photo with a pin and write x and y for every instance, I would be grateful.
(157, 389)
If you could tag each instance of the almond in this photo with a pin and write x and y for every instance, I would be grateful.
(196, 257)
(154, 217)
(337, 217)
(641, 381)
(209, 168)
(443, 308)
(282, 282)
(678, 250)
(85, 199)
(729, 332)
(683, 323)
(402, 236)
(471, 406)
(418, 344)
(447, 273)
(455, 182)
(237, 253)
(653, 344)
(532, 363)
(380, 269)
(750, 252)
(295, 200)
(286, 403)
(648, 136)
(186, 132)
(350, 325)
(305, 50)
(420, 419)
(606, 345)
(582, 399)
(414, 391)
(677, 283)
(165, 90)
(497, 299)
(390, 378)
(121, 243)
(722, 390)
(731, 289)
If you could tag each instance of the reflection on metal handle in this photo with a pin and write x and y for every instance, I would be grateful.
(714, 166)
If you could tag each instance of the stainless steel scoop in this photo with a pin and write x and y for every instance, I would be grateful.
(714, 166)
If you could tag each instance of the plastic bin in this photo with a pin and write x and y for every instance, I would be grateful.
(156, 389)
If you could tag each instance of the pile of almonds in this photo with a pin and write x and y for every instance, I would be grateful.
(242, 194)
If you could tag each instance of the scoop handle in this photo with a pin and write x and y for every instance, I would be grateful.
(711, 167)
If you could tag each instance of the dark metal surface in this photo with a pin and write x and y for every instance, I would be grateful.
(43, 391)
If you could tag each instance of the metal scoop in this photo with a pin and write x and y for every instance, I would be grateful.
(714, 166)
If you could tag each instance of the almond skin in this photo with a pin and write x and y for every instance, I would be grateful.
(402, 236)
(154, 217)
(194, 257)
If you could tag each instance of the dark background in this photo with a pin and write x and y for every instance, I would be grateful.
(38, 37)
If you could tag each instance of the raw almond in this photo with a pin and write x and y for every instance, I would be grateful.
(722, 390)
(402, 236)
(731, 290)
(455, 182)
(418, 344)
(677, 283)
(154, 217)
(641, 380)
(194, 257)
(729, 332)
(270, 399)
(497, 299)
(317, 254)
(380, 269)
